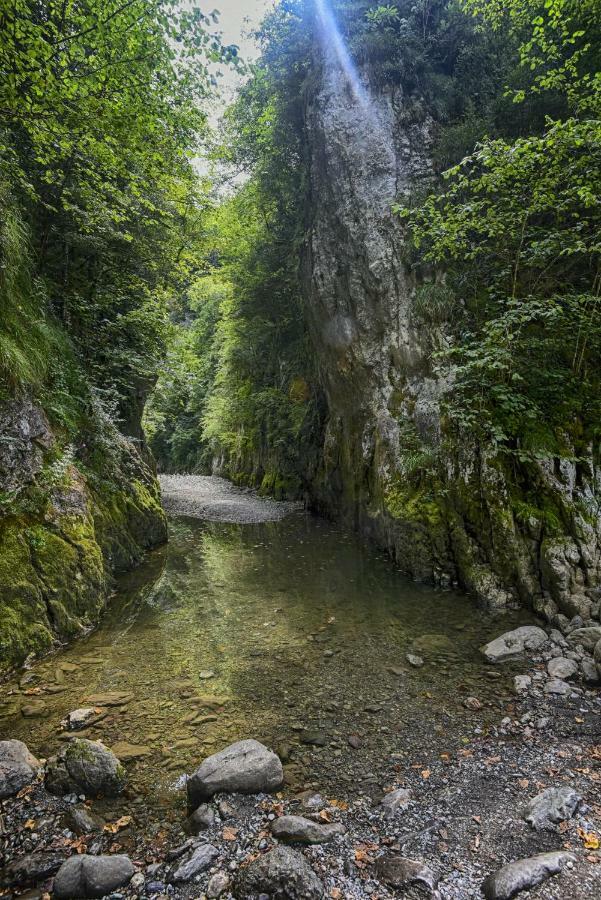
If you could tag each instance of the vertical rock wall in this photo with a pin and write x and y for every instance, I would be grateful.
(463, 521)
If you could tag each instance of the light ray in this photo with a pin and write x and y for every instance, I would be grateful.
(332, 38)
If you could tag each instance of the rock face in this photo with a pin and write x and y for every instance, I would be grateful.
(18, 767)
(374, 334)
(54, 588)
(281, 873)
(304, 831)
(551, 806)
(91, 876)
(514, 644)
(246, 767)
(85, 767)
(523, 875)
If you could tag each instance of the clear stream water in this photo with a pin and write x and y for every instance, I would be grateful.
(289, 632)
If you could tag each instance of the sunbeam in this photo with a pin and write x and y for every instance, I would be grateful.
(333, 39)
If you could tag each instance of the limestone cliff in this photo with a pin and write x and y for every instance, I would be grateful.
(530, 536)
(68, 521)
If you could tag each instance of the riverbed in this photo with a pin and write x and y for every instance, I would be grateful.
(289, 631)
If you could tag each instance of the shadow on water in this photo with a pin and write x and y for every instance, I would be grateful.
(290, 632)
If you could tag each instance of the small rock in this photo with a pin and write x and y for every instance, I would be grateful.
(313, 738)
(524, 874)
(202, 857)
(514, 643)
(91, 876)
(414, 660)
(521, 683)
(400, 872)
(304, 831)
(227, 810)
(85, 766)
(246, 767)
(218, 885)
(201, 819)
(558, 687)
(110, 698)
(36, 709)
(127, 752)
(590, 673)
(433, 643)
(82, 821)
(472, 703)
(354, 741)
(395, 801)
(282, 872)
(18, 767)
(551, 806)
(563, 668)
(79, 718)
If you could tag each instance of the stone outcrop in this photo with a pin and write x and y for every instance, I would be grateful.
(449, 514)
(65, 528)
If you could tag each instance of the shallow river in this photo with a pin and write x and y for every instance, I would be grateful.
(290, 632)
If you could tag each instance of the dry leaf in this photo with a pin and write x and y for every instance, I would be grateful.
(589, 839)
(114, 827)
(425, 773)
(325, 816)
(523, 783)
(339, 804)
(229, 834)
(29, 824)
(336, 894)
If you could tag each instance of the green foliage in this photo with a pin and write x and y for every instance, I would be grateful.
(516, 228)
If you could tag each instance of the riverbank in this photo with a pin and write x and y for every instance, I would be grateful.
(215, 499)
(459, 815)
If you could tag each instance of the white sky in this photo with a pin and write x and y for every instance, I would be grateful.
(236, 18)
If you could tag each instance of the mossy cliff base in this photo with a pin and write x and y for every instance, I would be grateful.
(70, 518)
(446, 508)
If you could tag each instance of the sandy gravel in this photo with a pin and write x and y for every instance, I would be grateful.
(215, 499)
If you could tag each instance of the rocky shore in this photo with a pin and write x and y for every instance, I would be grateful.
(513, 809)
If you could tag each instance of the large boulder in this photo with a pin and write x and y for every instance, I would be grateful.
(246, 767)
(92, 876)
(552, 806)
(585, 637)
(304, 831)
(87, 767)
(281, 873)
(524, 874)
(514, 644)
(18, 767)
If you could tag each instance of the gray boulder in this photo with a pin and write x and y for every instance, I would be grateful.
(524, 874)
(563, 668)
(557, 687)
(585, 637)
(87, 767)
(401, 872)
(79, 718)
(395, 801)
(202, 857)
(30, 869)
(201, 819)
(514, 644)
(551, 806)
(92, 876)
(246, 767)
(304, 831)
(281, 873)
(18, 767)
